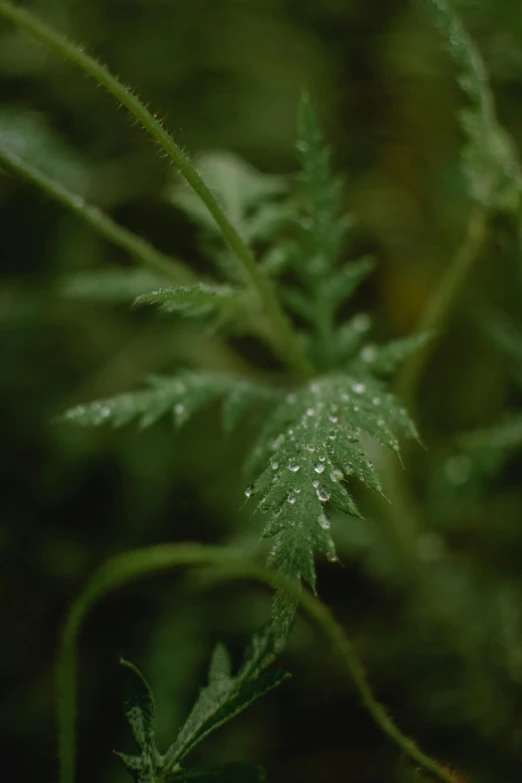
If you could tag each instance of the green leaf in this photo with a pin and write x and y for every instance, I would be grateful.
(194, 300)
(308, 451)
(225, 773)
(246, 196)
(138, 703)
(112, 286)
(182, 396)
(226, 695)
(490, 159)
(384, 359)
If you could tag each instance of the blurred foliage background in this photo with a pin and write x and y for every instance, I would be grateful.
(440, 627)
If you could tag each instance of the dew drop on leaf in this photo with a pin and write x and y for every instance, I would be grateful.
(319, 468)
(333, 419)
(368, 353)
(179, 409)
(249, 490)
(294, 467)
(291, 499)
(322, 458)
(336, 475)
(274, 465)
(323, 521)
(310, 412)
(310, 447)
(315, 483)
(376, 401)
(323, 494)
(359, 388)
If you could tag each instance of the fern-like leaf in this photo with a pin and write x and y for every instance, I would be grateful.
(225, 696)
(490, 159)
(181, 396)
(246, 196)
(195, 300)
(309, 449)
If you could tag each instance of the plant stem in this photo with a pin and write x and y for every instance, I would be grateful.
(141, 250)
(283, 338)
(122, 569)
(444, 297)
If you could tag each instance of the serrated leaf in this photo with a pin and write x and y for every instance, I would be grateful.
(384, 359)
(195, 300)
(225, 773)
(226, 696)
(138, 704)
(490, 161)
(182, 396)
(245, 194)
(112, 286)
(309, 449)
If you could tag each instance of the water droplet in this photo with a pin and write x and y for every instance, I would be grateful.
(274, 465)
(310, 412)
(296, 490)
(345, 397)
(361, 322)
(314, 387)
(333, 419)
(310, 447)
(291, 499)
(277, 512)
(319, 468)
(359, 388)
(356, 408)
(336, 475)
(369, 353)
(381, 422)
(105, 412)
(278, 442)
(291, 398)
(179, 409)
(262, 500)
(264, 509)
(315, 483)
(376, 401)
(332, 434)
(249, 490)
(323, 521)
(294, 467)
(332, 557)
(322, 494)
(322, 458)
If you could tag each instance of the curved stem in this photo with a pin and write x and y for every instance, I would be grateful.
(137, 247)
(444, 297)
(122, 569)
(283, 338)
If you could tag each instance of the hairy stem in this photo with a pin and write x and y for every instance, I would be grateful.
(141, 250)
(125, 568)
(444, 298)
(283, 338)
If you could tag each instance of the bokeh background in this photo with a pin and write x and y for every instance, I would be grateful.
(441, 637)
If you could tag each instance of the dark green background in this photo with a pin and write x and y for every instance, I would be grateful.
(444, 655)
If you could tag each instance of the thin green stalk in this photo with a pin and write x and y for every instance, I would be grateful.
(444, 298)
(122, 569)
(141, 250)
(283, 338)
